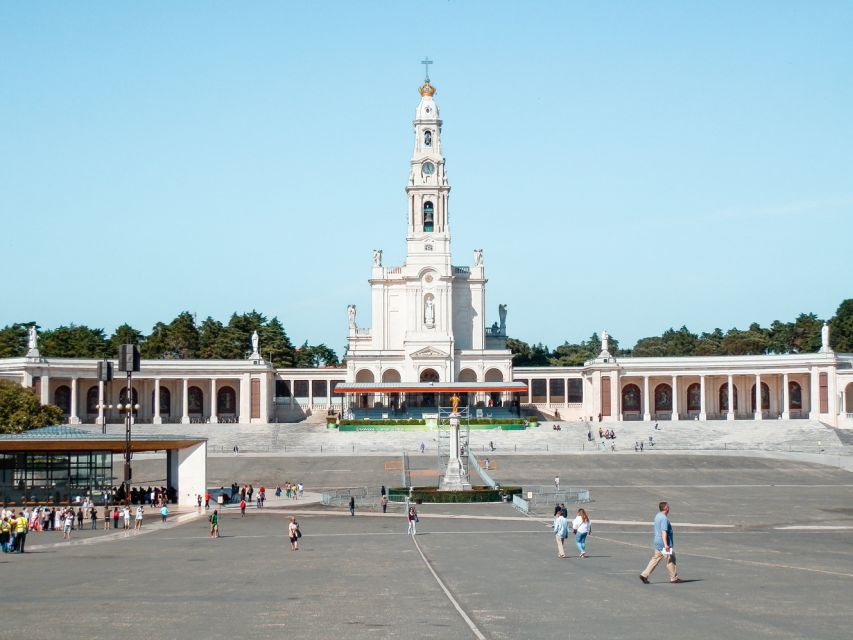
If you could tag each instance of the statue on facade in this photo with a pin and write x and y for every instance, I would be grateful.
(377, 257)
(256, 355)
(478, 257)
(502, 316)
(605, 342)
(824, 338)
(351, 315)
(33, 338)
(429, 312)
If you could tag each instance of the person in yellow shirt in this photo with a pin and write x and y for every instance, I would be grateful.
(5, 535)
(20, 532)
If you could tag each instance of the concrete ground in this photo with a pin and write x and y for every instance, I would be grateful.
(764, 546)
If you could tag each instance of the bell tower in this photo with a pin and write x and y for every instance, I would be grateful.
(428, 234)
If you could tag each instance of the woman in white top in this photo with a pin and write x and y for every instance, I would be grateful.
(126, 516)
(582, 527)
(293, 533)
(138, 517)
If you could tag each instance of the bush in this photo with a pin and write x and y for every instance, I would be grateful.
(432, 494)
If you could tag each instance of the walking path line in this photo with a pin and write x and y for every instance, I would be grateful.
(476, 631)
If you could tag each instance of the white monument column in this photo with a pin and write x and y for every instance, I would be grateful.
(101, 419)
(814, 394)
(758, 412)
(213, 417)
(731, 410)
(45, 389)
(646, 413)
(73, 418)
(674, 398)
(786, 399)
(157, 419)
(703, 410)
(185, 416)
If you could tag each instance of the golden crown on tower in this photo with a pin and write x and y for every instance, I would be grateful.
(426, 89)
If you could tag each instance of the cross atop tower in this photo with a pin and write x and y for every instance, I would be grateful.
(426, 62)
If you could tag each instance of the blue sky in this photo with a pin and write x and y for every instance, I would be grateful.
(629, 166)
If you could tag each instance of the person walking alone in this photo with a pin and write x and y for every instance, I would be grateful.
(352, 505)
(294, 534)
(582, 527)
(384, 503)
(412, 517)
(242, 508)
(663, 543)
(561, 532)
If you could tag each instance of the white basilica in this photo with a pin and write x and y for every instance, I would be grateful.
(428, 329)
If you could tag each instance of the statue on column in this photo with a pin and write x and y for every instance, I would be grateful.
(824, 338)
(33, 342)
(502, 316)
(377, 257)
(605, 342)
(478, 257)
(351, 316)
(255, 353)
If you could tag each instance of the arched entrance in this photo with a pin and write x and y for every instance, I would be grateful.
(495, 397)
(428, 399)
(365, 400)
(630, 399)
(765, 397)
(195, 402)
(392, 375)
(795, 396)
(467, 375)
(92, 401)
(663, 398)
(226, 402)
(724, 397)
(62, 398)
(848, 399)
(694, 398)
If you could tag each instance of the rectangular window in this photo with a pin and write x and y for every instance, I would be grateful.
(282, 388)
(558, 390)
(537, 388)
(575, 391)
(318, 390)
(337, 398)
(300, 388)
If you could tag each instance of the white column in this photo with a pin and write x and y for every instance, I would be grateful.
(73, 418)
(548, 391)
(614, 395)
(245, 402)
(814, 394)
(832, 401)
(101, 419)
(45, 389)
(265, 399)
(786, 400)
(674, 398)
(185, 415)
(758, 413)
(646, 413)
(213, 417)
(703, 409)
(157, 419)
(731, 410)
(311, 392)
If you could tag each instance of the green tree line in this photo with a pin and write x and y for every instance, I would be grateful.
(182, 338)
(802, 335)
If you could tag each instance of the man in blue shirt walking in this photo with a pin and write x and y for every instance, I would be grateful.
(663, 544)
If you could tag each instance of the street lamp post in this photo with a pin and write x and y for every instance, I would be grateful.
(128, 361)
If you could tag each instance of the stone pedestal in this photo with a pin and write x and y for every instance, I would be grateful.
(454, 478)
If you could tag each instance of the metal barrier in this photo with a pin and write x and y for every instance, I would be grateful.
(485, 477)
(520, 503)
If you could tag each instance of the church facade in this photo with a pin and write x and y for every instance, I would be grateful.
(427, 324)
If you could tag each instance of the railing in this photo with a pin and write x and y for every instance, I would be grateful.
(461, 271)
(495, 331)
(485, 477)
(394, 271)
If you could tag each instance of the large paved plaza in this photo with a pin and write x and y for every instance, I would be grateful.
(763, 545)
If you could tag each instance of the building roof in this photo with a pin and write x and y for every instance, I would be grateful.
(429, 387)
(61, 437)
